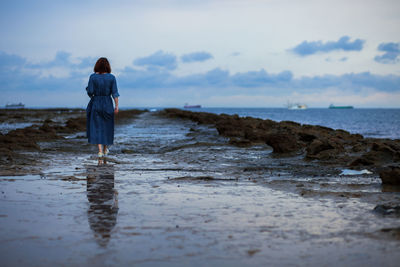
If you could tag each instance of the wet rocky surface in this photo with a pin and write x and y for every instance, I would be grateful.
(176, 192)
(323, 145)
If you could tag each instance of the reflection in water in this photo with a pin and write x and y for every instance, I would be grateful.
(102, 196)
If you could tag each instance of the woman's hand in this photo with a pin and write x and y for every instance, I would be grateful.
(116, 110)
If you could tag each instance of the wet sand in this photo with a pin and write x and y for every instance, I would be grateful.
(177, 193)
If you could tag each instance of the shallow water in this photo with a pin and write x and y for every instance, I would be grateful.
(6, 127)
(181, 197)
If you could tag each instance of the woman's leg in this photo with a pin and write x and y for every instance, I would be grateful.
(100, 155)
(105, 151)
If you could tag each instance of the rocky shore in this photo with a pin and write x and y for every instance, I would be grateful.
(20, 149)
(312, 142)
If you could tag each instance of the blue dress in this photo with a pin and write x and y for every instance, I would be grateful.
(100, 110)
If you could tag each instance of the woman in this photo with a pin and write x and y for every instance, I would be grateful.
(100, 111)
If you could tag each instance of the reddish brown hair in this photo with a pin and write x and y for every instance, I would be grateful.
(102, 66)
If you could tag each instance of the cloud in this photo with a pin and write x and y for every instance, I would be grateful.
(235, 54)
(342, 59)
(159, 59)
(251, 80)
(392, 52)
(309, 48)
(63, 59)
(213, 78)
(196, 56)
(350, 81)
(21, 77)
(9, 62)
(18, 74)
(261, 78)
(150, 78)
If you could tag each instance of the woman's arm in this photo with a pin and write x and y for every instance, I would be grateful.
(115, 94)
(116, 105)
(90, 87)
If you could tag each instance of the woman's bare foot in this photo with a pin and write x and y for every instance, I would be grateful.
(100, 157)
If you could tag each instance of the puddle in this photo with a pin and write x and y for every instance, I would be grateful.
(19, 178)
(354, 172)
(6, 127)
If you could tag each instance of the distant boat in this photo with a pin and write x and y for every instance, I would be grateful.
(296, 106)
(331, 106)
(191, 106)
(15, 106)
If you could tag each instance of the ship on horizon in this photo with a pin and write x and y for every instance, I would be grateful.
(332, 106)
(191, 106)
(295, 106)
(15, 106)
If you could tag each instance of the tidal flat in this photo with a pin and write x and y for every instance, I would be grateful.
(176, 193)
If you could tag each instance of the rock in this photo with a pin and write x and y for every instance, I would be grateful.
(127, 151)
(357, 147)
(324, 149)
(307, 137)
(361, 161)
(47, 128)
(390, 175)
(230, 129)
(376, 158)
(393, 232)
(76, 124)
(255, 135)
(317, 146)
(126, 115)
(382, 147)
(282, 142)
(387, 210)
(240, 142)
(338, 146)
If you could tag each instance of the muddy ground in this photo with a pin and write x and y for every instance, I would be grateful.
(181, 192)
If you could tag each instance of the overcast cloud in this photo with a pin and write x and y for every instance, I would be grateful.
(214, 53)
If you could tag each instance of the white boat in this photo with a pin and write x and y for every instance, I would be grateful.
(15, 106)
(296, 106)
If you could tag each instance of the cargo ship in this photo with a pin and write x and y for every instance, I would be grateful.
(191, 106)
(331, 106)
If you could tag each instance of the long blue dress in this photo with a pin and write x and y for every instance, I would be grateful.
(100, 110)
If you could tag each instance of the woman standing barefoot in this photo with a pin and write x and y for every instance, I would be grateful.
(100, 110)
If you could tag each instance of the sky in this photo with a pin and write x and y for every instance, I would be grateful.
(220, 53)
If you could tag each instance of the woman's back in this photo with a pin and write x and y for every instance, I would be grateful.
(102, 85)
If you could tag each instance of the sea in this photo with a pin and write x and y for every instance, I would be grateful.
(370, 122)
